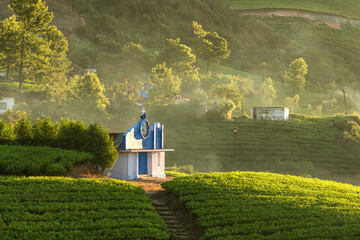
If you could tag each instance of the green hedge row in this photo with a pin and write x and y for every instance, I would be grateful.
(74, 135)
(248, 205)
(34, 161)
(64, 208)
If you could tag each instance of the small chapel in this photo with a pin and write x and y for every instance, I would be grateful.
(141, 151)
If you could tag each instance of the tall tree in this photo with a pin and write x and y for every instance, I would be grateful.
(268, 91)
(135, 59)
(210, 46)
(182, 61)
(294, 78)
(40, 49)
(9, 30)
(227, 92)
(165, 85)
(89, 90)
(33, 18)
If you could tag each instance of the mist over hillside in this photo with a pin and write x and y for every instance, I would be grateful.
(97, 32)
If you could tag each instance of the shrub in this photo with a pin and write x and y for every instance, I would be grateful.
(6, 133)
(75, 135)
(353, 128)
(23, 131)
(44, 132)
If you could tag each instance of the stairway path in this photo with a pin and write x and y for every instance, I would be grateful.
(153, 189)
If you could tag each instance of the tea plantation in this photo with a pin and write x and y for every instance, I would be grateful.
(64, 208)
(319, 143)
(248, 205)
(350, 9)
(35, 161)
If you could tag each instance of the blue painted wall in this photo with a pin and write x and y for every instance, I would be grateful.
(147, 143)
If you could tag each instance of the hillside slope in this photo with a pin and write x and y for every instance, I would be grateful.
(304, 146)
(247, 205)
(349, 9)
(99, 30)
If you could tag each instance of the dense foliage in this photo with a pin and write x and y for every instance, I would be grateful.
(35, 161)
(64, 208)
(304, 146)
(29, 46)
(269, 206)
(75, 135)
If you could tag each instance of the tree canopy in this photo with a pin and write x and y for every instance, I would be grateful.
(210, 46)
(32, 46)
(295, 77)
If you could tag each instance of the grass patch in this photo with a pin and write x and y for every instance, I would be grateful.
(65, 208)
(34, 161)
(247, 205)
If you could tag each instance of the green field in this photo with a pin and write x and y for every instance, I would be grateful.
(259, 206)
(65, 208)
(350, 8)
(313, 146)
(35, 161)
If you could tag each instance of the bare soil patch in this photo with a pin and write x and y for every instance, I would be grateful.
(331, 20)
(85, 171)
(151, 185)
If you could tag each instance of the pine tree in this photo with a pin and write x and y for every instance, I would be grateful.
(33, 18)
(9, 30)
(210, 46)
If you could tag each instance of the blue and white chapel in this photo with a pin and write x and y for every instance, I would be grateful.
(141, 152)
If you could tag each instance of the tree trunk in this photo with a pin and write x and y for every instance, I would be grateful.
(21, 61)
(7, 72)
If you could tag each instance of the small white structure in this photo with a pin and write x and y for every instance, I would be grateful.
(141, 152)
(6, 102)
(270, 113)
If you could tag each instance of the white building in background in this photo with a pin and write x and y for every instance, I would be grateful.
(270, 113)
(141, 152)
(6, 102)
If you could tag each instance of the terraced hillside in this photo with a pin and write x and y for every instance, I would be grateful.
(305, 145)
(247, 205)
(65, 208)
(349, 9)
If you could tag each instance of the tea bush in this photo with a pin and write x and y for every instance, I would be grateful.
(248, 205)
(34, 161)
(54, 208)
(74, 135)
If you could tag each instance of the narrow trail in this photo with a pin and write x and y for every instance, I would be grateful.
(153, 189)
(331, 20)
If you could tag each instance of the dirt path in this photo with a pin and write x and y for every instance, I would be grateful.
(153, 189)
(331, 20)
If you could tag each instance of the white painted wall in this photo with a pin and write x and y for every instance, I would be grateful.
(10, 101)
(132, 142)
(133, 166)
(157, 164)
(126, 166)
(270, 113)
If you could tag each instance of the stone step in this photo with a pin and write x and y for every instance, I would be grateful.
(169, 218)
(165, 213)
(158, 203)
(180, 237)
(171, 222)
(177, 232)
(162, 208)
(175, 227)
